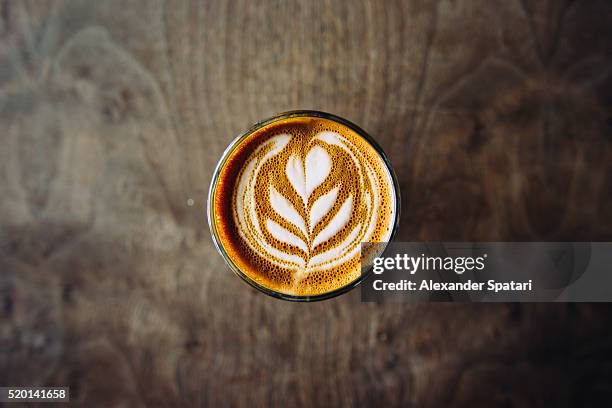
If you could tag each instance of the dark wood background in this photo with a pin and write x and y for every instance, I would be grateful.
(495, 114)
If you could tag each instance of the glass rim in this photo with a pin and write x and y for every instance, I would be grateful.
(213, 184)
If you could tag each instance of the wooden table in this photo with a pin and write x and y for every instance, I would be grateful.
(495, 114)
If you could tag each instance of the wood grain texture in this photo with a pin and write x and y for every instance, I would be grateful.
(495, 114)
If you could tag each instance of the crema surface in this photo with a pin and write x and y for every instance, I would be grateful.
(295, 199)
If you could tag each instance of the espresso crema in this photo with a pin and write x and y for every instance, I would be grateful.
(294, 200)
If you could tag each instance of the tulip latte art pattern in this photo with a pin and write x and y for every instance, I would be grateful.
(304, 199)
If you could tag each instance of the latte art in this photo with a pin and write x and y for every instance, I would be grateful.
(303, 195)
(294, 207)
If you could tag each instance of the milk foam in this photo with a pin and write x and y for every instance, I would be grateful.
(318, 218)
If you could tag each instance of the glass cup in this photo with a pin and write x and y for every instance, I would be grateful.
(213, 187)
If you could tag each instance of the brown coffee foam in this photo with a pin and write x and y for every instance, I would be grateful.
(343, 174)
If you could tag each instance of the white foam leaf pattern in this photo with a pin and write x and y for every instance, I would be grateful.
(284, 235)
(307, 176)
(285, 209)
(322, 206)
(336, 251)
(295, 174)
(337, 222)
(318, 165)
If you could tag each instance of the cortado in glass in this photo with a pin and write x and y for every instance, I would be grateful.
(293, 198)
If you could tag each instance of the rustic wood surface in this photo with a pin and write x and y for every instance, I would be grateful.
(495, 114)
